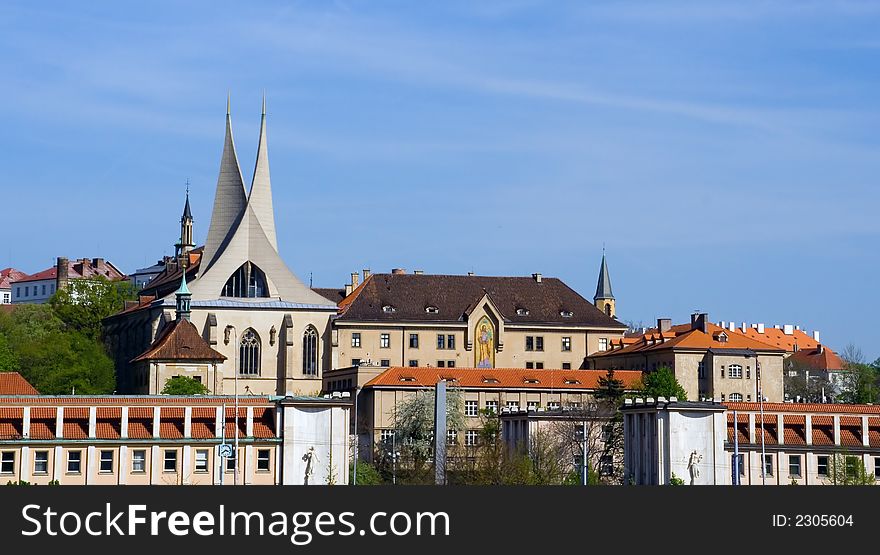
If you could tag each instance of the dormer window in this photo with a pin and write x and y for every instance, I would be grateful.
(449, 378)
(522, 311)
(721, 337)
(432, 310)
(406, 379)
(531, 380)
(572, 381)
(566, 313)
(490, 379)
(388, 309)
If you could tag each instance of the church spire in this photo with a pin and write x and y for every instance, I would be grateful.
(260, 198)
(604, 298)
(229, 200)
(186, 228)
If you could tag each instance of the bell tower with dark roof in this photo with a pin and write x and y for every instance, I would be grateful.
(604, 298)
(186, 229)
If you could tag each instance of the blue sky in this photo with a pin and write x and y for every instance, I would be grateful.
(725, 153)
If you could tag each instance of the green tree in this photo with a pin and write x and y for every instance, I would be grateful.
(414, 428)
(184, 385)
(367, 474)
(610, 388)
(858, 384)
(848, 470)
(662, 383)
(84, 303)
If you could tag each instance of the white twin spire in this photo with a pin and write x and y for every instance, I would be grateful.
(242, 229)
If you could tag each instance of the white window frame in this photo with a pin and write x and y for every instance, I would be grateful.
(384, 340)
(267, 459)
(356, 339)
(102, 460)
(200, 460)
(735, 371)
(492, 406)
(78, 461)
(7, 458)
(566, 344)
(738, 398)
(471, 408)
(41, 460)
(471, 437)
(138, 458)
(166, 459)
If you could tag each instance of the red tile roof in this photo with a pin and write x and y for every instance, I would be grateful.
(180, 340)
(130, 401)
(684, 336)
(778, 337)
(830, 408)
(79, 269)
(8, 275)
(822, 358)
(140, 429)
(12, 383)
(504, 378)
(75, 429)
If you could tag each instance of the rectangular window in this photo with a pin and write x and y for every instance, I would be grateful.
(603, 343)
(355, 362)
(741, 459)
(263, 460)
(41, 459)
(74, 462)
(413, 363)
(768, 465)
(566, 343)
(513, 405)
(606, 465)
(170, 462)
(539, 365)
(566, 366)
(553, 405)
(106, 461)
(530, 343)
(441, 364)
(230, 463)
(539, 343)
(413, 341)
(735, 371)
(385, 341)
(530, 365)
(451, 437)
(532, 405)
(7, 462)
(441, 341)
(471, 408)
(138, 461)
(356, 340)
(201, 460)
(450, 364)
(385, 362)
(27, 291)
(386, 436)
(492, 406)
(794, 466)
(450, 342)
(471, 437)
(701, 370)
(44, 289)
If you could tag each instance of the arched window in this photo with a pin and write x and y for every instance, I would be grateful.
(248, 281)
(608, 309)
(249, 353)
(310, 352)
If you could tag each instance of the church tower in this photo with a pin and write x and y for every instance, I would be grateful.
(604, 298)
(186, 243)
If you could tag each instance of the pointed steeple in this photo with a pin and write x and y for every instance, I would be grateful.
(186, 228)
(187, 214)
(260, 198)
(603, 287)
(229, 200)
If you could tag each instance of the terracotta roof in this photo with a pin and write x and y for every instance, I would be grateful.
(8, 275)
(140, 428)
(821, 358)
(794, 435)
(171, 430)
(202, 428)
(850, 437)
(411, 295)
(80, 269)
(168, 280)
(12, 383)
(75, 429)
(830, 408)
(180, 340)
(142, 402)
(823, 435)
(509, 378)
(684, 336)
(107, 429)
(777, 337)
(42, 429)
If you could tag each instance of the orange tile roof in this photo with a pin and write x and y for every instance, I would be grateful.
(822, 435)
(794, 435)
(8, 275)
(830, 408)
(13, 383)
(495, 378)
(850, 437)
(40, 429)
(171, 430)
(10, 429)
(778, 338)
(822, 358)
(180, 340)
(74, 413)
(140, 429)
(202, 429)
(684, 336)
(146, 401)
(108, 430)
(75, 429)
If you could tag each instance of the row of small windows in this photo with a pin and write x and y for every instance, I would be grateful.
(38, 291)
(447, 341)
(106, 461)
(250, 349)
(824, 464)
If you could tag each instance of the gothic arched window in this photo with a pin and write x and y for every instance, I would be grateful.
(310, 352)
(248, 281)
(249, 353)
(608, 309)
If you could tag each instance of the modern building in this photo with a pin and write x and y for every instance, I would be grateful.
(7, 276)
(166, 440)
(380, 390)
(273, 330)
(38, 288)
(448, 321)
(708, 360)
(750, 443)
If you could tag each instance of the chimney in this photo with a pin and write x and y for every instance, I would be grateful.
(745, 327)
(816, 336)
(97, 262)
(418, 272)
(760, 328)
(732, 326)
(348, 289)
(700, 322)
(664, 324)
(537, 277)
(820, 348)
(788, 329)
(470, 273)
(354, 280)
(366, 273)
(398, 271)
(62, 273)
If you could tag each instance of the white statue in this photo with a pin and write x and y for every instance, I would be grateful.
(694, 466)
(311, 458)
